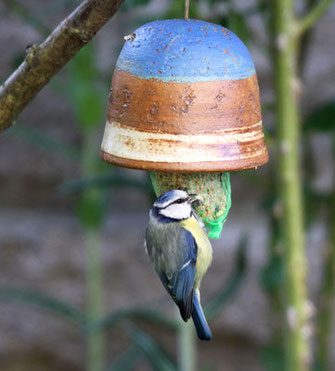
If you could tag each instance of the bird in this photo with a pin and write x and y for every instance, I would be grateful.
(180, 253)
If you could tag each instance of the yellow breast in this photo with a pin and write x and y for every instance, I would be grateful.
(205, 252)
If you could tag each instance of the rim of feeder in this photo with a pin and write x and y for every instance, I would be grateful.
(199, 112)
(205, 167)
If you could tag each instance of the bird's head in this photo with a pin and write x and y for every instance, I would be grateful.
(176, 204)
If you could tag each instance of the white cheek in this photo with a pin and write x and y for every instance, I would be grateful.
(177, 211)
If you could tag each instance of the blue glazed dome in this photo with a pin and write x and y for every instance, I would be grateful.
(182, 50)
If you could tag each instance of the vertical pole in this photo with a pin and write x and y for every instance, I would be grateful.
(288, 134)
(186, 345)
(95, 340)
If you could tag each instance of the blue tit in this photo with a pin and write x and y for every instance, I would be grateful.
(180, 253)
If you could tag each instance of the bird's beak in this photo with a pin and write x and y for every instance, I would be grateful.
(194, 199)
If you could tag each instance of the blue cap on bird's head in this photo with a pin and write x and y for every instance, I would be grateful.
(169, 197)
(176, 195)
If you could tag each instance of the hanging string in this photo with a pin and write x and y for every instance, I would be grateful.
(187, 7)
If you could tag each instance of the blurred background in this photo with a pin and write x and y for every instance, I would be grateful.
(76, 287)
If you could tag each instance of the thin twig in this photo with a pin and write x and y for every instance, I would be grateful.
(44, 60)
(187, 8)
(312, 16)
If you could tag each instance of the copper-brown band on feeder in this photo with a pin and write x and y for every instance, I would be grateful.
(175, 108)
(181, 126)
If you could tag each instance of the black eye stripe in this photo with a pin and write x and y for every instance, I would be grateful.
(178, 201)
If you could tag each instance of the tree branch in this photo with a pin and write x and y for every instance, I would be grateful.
(44, 60)
(312, 16)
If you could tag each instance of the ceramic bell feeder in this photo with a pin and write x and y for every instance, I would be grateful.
(184, 104)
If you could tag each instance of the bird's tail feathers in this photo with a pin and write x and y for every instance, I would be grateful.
(200, 323)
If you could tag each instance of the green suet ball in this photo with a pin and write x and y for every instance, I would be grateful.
(214, 189)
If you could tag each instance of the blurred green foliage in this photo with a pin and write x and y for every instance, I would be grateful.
(131, 4)
(273, 356)
(321, 119)
(46, 302)
(157, 356)
(87, 95)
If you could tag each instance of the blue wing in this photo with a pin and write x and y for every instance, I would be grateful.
(180, 284)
